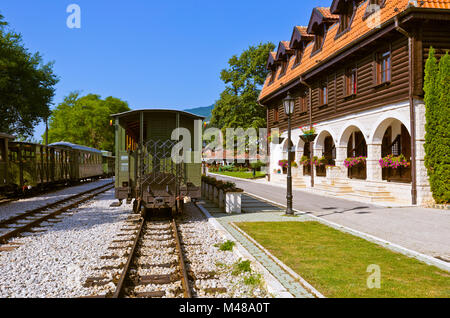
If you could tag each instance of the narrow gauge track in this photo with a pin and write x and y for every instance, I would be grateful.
(24, 222)
(163, 231)
(151, 259)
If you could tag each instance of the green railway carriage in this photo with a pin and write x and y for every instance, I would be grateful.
(108, 163)
(145, 170)
(5, 182)
(36, 166)
(85, 162)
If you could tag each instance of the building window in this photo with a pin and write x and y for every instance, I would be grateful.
(319, 38)
(323, 94)
(351, 81)
(346, 18)
(383, 67)
(298, 57)
(273, 75)
(284, 66)
(303, 103)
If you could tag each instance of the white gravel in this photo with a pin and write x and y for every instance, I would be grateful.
(201, 244)
(56, 262)
(17, 207)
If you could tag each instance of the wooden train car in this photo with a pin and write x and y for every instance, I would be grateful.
(5, 182)
(85, 163)
(34, 166)
(108, 164)
(145, 170)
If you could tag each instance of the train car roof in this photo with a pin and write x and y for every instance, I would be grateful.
(74, 146)
(132, 112)
(3, 136)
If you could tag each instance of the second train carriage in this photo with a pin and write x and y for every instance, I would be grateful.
(85, 162)
(108, 163)
(145, 170)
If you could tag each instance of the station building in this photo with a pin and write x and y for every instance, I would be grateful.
(356, 72)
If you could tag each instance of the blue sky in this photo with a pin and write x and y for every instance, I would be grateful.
(150, 53)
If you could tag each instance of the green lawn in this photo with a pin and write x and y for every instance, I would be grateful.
(242, 175)
(336, 263)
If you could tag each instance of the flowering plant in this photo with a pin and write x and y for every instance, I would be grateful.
(283, 163)
(308, 130)
(304, 161)
(394, 162)
(354, 161)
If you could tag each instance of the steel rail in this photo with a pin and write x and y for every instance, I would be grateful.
(121, 283)
(184, 275)
(26, 227)
(119, 292)
(48, 206)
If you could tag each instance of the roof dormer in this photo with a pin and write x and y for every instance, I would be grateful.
(299, 40)
(346, 10)
(284, 51)
(320, 22)
(284, 54)
(271, 62)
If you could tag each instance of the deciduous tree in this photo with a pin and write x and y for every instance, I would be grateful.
(85, 120)
(26, 85)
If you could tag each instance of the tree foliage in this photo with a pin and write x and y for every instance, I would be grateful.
(26, 85)
(437, 137)
(85, 120)
(238, 104)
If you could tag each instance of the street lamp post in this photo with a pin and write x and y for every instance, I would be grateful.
(289, 104)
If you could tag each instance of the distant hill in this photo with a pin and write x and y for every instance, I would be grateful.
(202, 111)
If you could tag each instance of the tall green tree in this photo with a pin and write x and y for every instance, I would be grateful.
(437, 137)
(26, 85)
(85, 120)
(238, 104)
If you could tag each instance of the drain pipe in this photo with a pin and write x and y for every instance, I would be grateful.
(412, 111)
(267, 143)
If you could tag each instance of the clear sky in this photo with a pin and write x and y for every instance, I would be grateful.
(165, 54)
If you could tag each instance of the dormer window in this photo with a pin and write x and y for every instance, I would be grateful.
(319, 38)
(273, 75)
(298, 57)
(284, 65)
(346, 18)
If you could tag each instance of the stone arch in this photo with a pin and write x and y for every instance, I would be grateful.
(346, 132)
(382, 124)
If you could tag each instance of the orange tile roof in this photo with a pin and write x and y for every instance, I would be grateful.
(358, 29)
(326, 13)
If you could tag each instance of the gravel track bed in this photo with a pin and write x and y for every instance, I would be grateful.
(17, 207)
(212, 271)
(213, 268)
(57, 261)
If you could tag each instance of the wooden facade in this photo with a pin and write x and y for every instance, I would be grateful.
(339, 68)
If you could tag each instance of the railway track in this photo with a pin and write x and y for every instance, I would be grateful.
(29, 220)
(152, 261)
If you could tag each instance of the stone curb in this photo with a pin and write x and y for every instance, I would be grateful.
(294, 275)
(273, 285)
(386, 244)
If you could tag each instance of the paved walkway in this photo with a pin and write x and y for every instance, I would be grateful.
(258, 211)
(420, 229)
